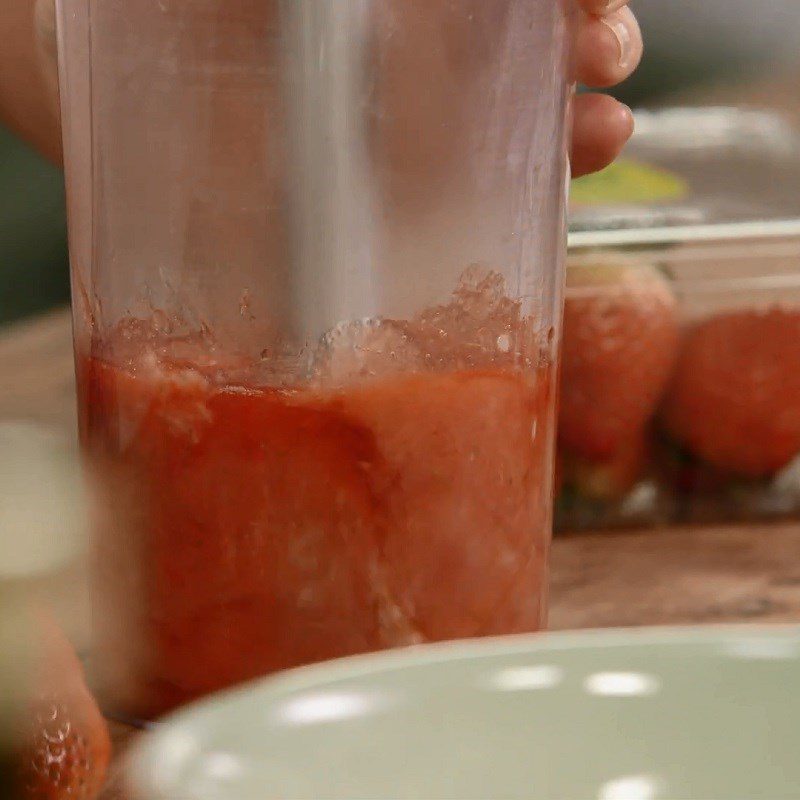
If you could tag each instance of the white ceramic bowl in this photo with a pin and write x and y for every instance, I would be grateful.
(652, 714)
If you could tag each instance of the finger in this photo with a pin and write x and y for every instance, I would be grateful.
(609, 48)
(601, 126)
(601, 7)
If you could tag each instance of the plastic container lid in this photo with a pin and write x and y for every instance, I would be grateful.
(693, 175)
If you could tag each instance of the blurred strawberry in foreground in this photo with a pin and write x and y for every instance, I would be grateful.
(608, 479)
(65, 746)
(55, 745)
(619, 348)
(734, 398)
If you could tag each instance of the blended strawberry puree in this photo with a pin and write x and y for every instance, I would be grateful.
(248, 529)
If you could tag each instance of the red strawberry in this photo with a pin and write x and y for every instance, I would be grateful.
(66, 746)
(609, 479)
(735, 397)
(620, 344)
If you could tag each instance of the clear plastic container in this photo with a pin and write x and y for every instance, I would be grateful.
(317, 282)
(680, 393)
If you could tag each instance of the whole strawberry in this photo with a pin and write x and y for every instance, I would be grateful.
(734, 401)
(65, 746)
(619, 348)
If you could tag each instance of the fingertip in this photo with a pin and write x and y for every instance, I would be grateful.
(601, 128)
(608, 48)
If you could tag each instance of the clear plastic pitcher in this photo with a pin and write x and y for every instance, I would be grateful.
(317, 265)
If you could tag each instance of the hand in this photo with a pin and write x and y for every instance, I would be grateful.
(608, 49)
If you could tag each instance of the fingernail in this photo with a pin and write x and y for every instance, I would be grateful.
(616, 24)
(626, 107)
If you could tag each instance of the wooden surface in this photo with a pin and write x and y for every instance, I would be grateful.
(672, 576)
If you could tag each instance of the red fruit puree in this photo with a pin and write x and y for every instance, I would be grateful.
(248, 529)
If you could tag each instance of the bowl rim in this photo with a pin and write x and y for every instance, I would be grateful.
(140, 777)
(424, 655)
